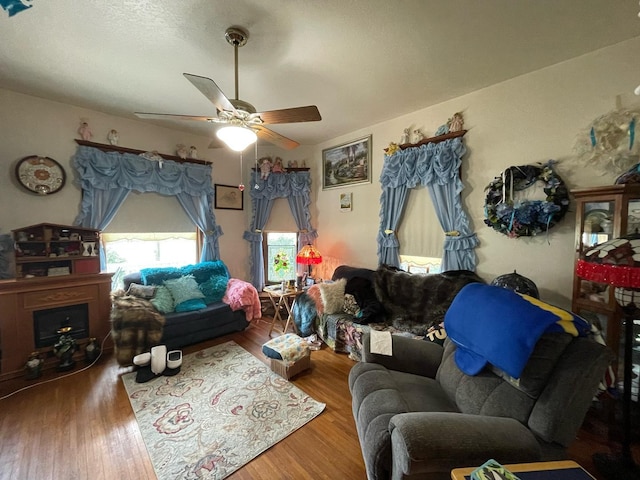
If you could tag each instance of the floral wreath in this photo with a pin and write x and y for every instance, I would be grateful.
(525, 218)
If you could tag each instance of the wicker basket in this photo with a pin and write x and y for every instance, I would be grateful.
(279, 367)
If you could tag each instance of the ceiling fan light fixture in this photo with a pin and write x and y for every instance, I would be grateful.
(237, 138)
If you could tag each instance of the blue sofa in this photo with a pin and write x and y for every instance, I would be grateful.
(138, 322)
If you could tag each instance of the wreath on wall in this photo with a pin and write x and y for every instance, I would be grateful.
(525, 218)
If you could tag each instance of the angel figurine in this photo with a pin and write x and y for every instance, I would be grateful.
(456, 123)
(182, 151)
(405, 136)
(113, 137)
(417, 136)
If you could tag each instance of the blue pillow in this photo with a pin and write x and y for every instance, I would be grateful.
(156, 276)
(204, 270)
(191, 305)
(214, 288)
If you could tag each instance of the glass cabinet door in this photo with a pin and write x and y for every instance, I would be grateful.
(633, 217)
(597, 223)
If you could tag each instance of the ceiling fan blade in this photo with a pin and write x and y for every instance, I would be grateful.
(272, 137)
(309, 113)
(216, 143)
(210, 90)
(169, 116)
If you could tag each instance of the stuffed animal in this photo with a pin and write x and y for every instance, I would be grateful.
(277, 166)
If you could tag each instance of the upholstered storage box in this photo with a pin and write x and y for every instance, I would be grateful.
(292, 369)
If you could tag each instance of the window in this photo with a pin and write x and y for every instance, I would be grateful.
(420, 265)
(280, 256)
(129, 252)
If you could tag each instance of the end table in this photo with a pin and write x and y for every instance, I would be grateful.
(282, 299)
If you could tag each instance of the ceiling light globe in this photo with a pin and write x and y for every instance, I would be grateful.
(237, 138)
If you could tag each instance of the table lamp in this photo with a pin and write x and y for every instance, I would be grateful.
(309, 255)
(617, 263)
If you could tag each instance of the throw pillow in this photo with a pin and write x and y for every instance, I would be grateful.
(155, 276)
(141, 291)
(203, 271)
(214, 288)
(191, 305)
(333, 295)
(314, 293)
(436, 334)
(350, 305)
(162, 300)
(183, 289)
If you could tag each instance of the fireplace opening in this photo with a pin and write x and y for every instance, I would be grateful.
(46, 323)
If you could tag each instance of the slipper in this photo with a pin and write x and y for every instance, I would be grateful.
(144, 374)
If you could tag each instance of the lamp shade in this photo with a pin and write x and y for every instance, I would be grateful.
(237, 138)
(615, 262)
(309, 255)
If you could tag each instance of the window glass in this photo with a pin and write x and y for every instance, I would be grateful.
(420, 265)
(129, 252)
(280, 256)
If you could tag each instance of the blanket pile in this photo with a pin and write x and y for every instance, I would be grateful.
(136, 326)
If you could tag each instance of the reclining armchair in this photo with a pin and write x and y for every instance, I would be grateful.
(418, 415)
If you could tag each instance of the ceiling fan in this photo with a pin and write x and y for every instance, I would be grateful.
(238, 113)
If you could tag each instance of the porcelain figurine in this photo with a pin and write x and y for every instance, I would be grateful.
(113, 137)
(182, 151)
(405, 136)
(277, 166)
(417, 136)
(265, 167)
(85, 131)
(193, 152)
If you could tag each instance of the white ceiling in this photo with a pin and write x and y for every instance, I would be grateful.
(360, 61)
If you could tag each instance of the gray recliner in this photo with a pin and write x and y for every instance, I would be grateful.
(419, 416)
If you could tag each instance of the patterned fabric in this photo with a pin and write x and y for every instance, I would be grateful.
(342, 334)
(183, 289)
(221, 410)
(290, 348)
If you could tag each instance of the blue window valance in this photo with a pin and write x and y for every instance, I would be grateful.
(107, 178)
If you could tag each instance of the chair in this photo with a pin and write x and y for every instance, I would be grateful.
(418, 415)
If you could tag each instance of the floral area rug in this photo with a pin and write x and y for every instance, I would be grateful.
(223, 409)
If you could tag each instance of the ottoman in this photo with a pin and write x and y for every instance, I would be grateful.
(288, 355)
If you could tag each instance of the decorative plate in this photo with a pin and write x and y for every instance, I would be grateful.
(598, 221)
(41, 175)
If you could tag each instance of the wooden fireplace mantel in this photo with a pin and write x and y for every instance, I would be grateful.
(20, 298)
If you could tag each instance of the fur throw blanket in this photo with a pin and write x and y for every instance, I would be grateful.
(136, 326)
(414, 303)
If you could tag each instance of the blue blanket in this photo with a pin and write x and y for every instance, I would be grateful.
(491, 324)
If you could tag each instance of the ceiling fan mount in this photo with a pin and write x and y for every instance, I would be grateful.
(238, 112)
(236, 36)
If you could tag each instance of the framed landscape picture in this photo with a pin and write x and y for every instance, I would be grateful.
(347, 164)
(228, 197)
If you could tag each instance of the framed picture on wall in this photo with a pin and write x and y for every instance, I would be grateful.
(345, 202)
(347, 164)
(228, 197)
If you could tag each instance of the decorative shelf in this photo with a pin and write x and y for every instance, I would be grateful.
(438, 139)
(115, 148)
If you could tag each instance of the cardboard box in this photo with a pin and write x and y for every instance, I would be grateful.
(279, 367)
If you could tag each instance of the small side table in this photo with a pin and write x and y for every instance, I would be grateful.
(557, 470)
(279, 299)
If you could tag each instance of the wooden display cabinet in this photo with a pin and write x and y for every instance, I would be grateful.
(602, 214)
(48, 250)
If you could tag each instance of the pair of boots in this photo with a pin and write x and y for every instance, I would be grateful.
(157, 362)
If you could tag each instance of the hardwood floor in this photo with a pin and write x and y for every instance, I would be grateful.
(82, 426)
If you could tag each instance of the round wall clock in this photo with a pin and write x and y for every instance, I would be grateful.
(41, 175)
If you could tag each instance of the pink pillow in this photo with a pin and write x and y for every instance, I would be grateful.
(314, 293)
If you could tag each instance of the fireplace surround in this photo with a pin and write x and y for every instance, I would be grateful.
(21, 299)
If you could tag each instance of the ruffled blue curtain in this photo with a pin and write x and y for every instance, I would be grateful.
(296, 187)
(107, 178)
(437, 167)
